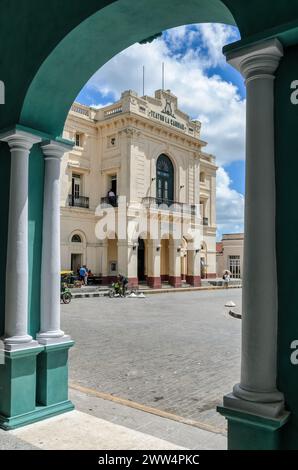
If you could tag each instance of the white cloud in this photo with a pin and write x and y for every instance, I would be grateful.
(208, 98)
(214, 36)
(229, 205)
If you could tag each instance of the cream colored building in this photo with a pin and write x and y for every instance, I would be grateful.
(229, 255)
(149, 153)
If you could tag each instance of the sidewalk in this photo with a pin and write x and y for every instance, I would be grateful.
(101, 424)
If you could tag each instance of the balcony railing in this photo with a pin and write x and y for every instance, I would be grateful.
(109, 201)
(166, 204)
(81, 109)
(113, 111)
(79, 201)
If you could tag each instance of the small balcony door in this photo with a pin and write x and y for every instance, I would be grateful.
(76, 187)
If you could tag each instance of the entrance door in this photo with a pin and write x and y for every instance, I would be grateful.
(76, 261)
(141, 260)
(164, 180)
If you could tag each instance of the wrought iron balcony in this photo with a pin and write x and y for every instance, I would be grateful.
(79, 201)
(166, 204)
(109, 201)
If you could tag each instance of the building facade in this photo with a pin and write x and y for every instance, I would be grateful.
(229, 255)
(138, 193)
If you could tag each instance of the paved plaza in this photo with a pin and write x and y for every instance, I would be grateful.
(178, 352)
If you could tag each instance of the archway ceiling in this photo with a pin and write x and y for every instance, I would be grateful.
(48, 50)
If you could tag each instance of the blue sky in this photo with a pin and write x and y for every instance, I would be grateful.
(207, 88)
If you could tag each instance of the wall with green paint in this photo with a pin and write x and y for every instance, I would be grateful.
(36, 179)
(286, 122)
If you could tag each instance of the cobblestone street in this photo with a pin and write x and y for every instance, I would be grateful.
(177, 352)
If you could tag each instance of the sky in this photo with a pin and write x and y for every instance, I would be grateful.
(208, 89)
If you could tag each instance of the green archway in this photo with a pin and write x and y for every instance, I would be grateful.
(95, 41)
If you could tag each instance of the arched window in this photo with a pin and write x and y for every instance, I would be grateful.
(164, 179)
(76, 239)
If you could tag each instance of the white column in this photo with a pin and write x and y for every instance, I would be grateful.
(103, 253)
(193, 263)
(175, 262)
(50, 331)
(153, 263)
(257, 390)
(128, 260)
(17, 272)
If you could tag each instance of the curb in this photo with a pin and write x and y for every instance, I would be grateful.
(90, 295)
(157, 291)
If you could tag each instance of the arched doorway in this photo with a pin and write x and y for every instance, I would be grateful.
(164, 180)
(141, 260)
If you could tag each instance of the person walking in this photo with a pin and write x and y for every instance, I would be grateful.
(82, 273)
(226, 279)
(85, 275)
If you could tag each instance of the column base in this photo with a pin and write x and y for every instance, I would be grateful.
(251, 425)
(38, 414)
(45, 339)
(18, 382)
(52, 374)
(11, 344)
(154, 282)
(211, 276)
(194, 281)
(112, 279)
(175, 281)
(133, 282)
(105, 280)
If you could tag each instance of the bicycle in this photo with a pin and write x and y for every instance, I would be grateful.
(65, 294)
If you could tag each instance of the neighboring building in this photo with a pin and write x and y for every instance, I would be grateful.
(146, 150)
(229, 255)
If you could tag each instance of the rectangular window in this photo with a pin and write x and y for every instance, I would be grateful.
(113, 266)
(234, 266)
(78, 140)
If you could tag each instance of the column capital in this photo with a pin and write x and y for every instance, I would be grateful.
(257, 61)
(53, 149)
(19, 140)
